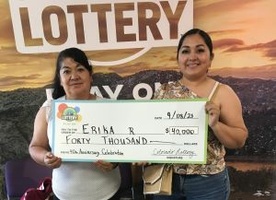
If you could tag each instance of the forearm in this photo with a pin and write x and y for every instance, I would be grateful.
(230, 137)
(38, 153)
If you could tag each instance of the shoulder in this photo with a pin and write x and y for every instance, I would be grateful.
(48, 102)
(225, 89)
(226, 95)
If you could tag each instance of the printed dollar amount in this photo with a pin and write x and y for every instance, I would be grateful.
(182, 130)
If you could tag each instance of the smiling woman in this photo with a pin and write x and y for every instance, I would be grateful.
(73, 75)
(72, 81)
(226, 127)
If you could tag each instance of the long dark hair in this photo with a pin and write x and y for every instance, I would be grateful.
(78, 56)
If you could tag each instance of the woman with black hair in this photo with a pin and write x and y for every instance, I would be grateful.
(72, 180)
(208, 181)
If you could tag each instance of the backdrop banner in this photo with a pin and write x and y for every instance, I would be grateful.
(132, 46)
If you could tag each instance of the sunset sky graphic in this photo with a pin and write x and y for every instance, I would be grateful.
(243, 32)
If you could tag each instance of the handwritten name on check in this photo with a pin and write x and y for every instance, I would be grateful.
(158, 131)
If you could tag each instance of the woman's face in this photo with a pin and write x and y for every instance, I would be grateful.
(75, 79)
(194, 57)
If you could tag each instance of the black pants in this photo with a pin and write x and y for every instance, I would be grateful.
(116, 196)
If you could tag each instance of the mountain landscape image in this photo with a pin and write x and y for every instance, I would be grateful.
(244, 45)
(18, 109)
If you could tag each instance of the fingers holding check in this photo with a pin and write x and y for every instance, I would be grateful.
(213, 111)
(105, 166)
(51, 161)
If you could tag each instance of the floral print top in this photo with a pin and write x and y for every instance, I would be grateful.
(215, 150)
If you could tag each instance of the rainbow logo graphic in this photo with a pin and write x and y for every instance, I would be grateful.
(68, 113)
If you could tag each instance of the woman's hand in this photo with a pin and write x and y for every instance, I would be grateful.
(51, 161)
(105, 166)
(213, 111)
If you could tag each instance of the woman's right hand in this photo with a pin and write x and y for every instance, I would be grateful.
(51, 161)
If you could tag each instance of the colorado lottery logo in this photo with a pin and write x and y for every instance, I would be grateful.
(68, 113)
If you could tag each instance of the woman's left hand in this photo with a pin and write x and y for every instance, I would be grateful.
(213, 111)
(105, 166)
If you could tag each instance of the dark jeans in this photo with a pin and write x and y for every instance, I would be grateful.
(116, 196)
(198, 187)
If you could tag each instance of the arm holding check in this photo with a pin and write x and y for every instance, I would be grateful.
(225, 120)
(72, 81)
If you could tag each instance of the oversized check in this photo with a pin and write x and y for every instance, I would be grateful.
(156, 131)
